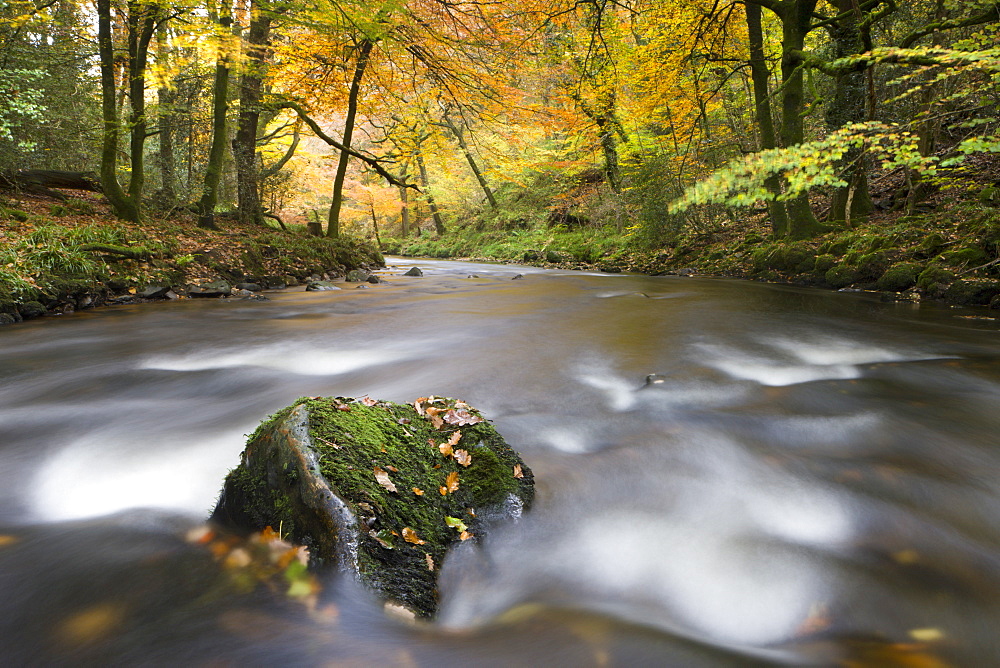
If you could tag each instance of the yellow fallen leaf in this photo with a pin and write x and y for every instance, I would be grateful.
(445, 449)
(418, 491)
(410, 536)
(383, 479)
(451, 482)
(517, 471)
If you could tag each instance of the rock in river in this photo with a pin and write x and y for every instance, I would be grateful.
(377, 488)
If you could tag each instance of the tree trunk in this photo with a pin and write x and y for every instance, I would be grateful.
(122, 206)
(333, 221)
(795, 20)
(217, 152)
(848, 106)
(249, 206)
(404, 198)
(166, 98)
(459, 135)
(760, 75)
(435, 214)
(141, 26)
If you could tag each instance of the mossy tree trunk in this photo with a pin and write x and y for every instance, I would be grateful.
(796, 17)
(220, 107)
(249, 206)
(852, 202)
(125, 204)
(760, 75)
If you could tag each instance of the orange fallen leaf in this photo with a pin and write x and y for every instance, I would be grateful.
(392, 468)
(446, 449)
(465, 535)
(383, 479)
(410, 536)
(432, 415)
(418, 491)
(451, 482)
(463, 457)
(517, 471)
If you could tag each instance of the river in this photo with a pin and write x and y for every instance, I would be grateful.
(807, 478)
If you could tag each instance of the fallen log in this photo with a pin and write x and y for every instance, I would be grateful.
(42, 181)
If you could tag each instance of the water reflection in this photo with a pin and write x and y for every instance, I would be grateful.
(807, 478)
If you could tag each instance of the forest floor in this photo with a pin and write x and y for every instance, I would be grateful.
(56, 257)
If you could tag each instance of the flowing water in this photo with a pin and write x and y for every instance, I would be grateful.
(809, 477)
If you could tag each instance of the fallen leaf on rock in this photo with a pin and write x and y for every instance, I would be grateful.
(461, 417)
(392, 468)
(463, 457)
(455, 523)
(410, 536)
(430, 562)
(446, 449)
(381, 541)
(368, 401)
(432, 415)
(451, 482)
(418, 491)
(465, 535)
(417, 405)
(517, 471)
(383, 479)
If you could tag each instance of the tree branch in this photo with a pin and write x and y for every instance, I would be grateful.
(370, 161)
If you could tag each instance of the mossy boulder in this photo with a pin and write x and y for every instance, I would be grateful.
(934, 279)
(840, 276)
(379, 489)
(930, 246)
(972, 293)
(899, 277)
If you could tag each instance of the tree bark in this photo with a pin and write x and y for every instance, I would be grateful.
(846, 107)
(217, 152)
(431, 204)
(166, 98)
(141, 22)
(121, 204)
(796, 16)
(337, 201)
(459, 135)
(760, 75)
(245, 142)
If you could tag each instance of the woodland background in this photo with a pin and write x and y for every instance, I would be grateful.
(519, 130)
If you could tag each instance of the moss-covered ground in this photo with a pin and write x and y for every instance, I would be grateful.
(58, 257)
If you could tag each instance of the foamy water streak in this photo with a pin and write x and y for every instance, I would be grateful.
(102, 474)
(307, 361)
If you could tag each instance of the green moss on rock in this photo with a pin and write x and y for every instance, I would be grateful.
(410, 482)
(899, 277)
(840, 276)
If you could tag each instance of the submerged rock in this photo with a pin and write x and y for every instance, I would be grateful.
(376, 488)
(321, 286)
(414, 271)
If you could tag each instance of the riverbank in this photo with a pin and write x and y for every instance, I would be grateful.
(60, 257)
(950, 253)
